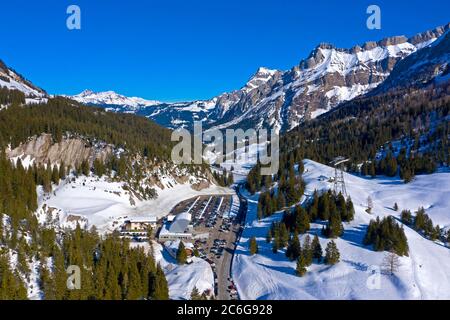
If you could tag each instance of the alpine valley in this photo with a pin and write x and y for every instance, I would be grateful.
(88, 181)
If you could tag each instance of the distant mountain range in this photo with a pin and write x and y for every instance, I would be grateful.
(284, 99)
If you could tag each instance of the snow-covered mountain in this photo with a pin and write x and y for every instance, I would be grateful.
(110, 98)
(432, 63)
(12, 80)
(283, 99)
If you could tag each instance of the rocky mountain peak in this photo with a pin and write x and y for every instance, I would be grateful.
(428, 35)
(283, 99)
(86, 93)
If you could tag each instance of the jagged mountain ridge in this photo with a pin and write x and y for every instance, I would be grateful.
(431, 64)
(283, 99)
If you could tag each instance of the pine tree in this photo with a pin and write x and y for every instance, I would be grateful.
(55, 175)
(307, 250)
(195, 294)
(85, 168)
(324, 207)
(62, 170)
(260, 211)
(294, 249)
(302, 220)
(181, 254)
(317, 249)
(342, 207)
(406, 217)
(160, 288)
(332, 254)
(314, 208)
(350, 210)
(253, 246)
(275, 246)
(301, 266)
(395, 206)
(334, 227)
(281, 200)
(99, 168)
(372, 171)
(283, 235)
(269, 236)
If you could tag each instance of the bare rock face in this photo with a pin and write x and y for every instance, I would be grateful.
(201, 185)
(326, 78)
(71, 151)
(427, 66)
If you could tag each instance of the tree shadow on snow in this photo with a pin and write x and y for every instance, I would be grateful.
(287, 270)
(357, 265)
(356, 235)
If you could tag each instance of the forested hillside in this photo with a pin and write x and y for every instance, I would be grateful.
(34, 257)
(410, 126)
(60, 116)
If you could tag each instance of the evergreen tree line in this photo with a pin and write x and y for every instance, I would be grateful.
(422, 223)
(224, 179)
(404, 166)
(18, 198)
(325, 207)
(134, 273)
(370, 122)
(109, 268)
(387, 235)
(60, 116)
(286, 174)
(12, 286)
(8, 96)
(289, 192)
(304, 254)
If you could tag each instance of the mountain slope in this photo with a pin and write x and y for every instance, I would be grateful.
(422, 275)
(420, 68)
(283, 99)
(12, 80)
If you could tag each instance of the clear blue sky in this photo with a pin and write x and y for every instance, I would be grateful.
(191, 49)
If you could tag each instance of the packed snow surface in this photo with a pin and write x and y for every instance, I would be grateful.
(106, 204)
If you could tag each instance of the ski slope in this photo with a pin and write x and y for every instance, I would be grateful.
(423, 275)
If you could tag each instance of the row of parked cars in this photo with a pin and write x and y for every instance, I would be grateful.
(226, 225)
(218, 248)
(232, 290)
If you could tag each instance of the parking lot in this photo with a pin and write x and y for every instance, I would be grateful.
(210, 214)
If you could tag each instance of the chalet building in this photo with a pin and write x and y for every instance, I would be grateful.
(140, 224)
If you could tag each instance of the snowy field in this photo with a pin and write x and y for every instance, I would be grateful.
(101, 203)
(425, 274)
(182, 279)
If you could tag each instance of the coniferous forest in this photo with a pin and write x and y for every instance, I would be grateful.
(363, 130)
(110, 269)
